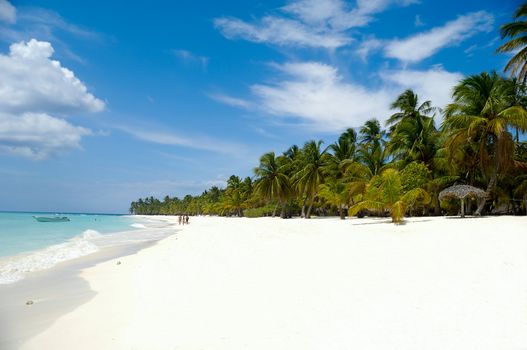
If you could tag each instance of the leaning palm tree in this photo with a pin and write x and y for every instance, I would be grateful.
(272, 182)
(481, 114)
(517, 32)
(385, 193)
(311, 174)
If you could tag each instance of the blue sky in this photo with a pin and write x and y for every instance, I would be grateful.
(104, 102)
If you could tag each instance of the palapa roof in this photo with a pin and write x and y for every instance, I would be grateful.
(462, 191)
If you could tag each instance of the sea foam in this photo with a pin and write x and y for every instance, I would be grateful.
(14, 268)
(136, 225)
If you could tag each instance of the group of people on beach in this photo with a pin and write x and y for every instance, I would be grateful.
(183, 219)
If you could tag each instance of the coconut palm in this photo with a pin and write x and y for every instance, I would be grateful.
(371, 133)
(335, 192)
(385, 193)
(516, 31)
(342, 150)
(311, 174)
(409, 108)
(414, 140)
(481, 114)
(272, 182)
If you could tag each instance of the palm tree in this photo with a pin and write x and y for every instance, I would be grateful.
(414, 140)
(481, 113)
(385, 192)
(517, 32)
(335, 193)
(371, 133)
(272, 182)
(413, 135)
(342, 150)
(371, 151)
(409, 109)
(311, 174)
(235, 196)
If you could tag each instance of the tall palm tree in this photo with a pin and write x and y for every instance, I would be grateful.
(481, 113)
(516, 31)
(413, 135)
(371, 151)
(311, 173)
(414, 140)
(409, 108)
(372, 133)
(342, 150)
(272, 182)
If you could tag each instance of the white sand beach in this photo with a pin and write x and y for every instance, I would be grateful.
(230, 283)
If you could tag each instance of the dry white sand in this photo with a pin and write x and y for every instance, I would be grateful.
(227, 283)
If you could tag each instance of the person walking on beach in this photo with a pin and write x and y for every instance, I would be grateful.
(180, 219)
(186, 219)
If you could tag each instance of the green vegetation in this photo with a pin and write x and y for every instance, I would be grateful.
(398, 171)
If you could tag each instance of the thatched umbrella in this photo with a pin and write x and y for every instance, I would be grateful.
(462, 192)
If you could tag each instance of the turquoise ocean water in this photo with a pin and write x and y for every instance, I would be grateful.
(27, 245)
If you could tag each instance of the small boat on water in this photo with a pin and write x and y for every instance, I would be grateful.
(51, 218)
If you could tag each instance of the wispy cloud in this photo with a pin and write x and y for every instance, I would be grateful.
(157, 135)
(229, 100)
(418, 21)
(7, 12)
(307, 23)
(191, 58)
(316, 96)
(368, 46)
(433, 84)
(48, 21)
(475, 47)
(47, 25)
(315, 93)
(423, 45)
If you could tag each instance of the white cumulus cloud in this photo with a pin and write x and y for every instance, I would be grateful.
(423, 45)
(31, 81)
(38, 136)
(36, 93)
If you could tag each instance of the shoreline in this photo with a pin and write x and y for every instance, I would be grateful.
(238, 283)
(15, 267)
(55, 291)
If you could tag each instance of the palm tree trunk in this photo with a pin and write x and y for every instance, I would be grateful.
(303, 214)
(275, 209)
(437, 204)
(282, 212)
(308, 214)
(341, 209)
(490, 189)
(492, 182)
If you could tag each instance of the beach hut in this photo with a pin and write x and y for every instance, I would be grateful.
(462, 192)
